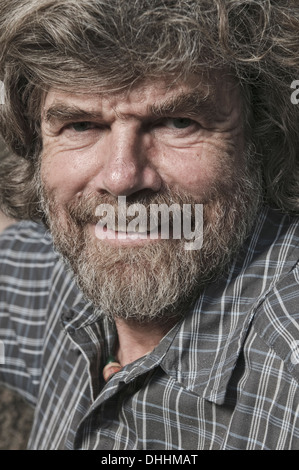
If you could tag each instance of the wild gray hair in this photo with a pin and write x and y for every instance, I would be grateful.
(111, 44)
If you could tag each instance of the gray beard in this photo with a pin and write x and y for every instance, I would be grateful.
(156, 282)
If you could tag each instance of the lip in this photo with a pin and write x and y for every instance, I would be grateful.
(118, 237)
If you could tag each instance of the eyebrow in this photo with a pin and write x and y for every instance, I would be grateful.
(193, 104)
(61, 112)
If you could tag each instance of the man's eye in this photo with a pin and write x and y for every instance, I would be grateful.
(81, 126)
(179, 123)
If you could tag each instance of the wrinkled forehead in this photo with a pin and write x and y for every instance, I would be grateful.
(217, 89)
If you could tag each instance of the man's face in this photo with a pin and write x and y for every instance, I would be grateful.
(153, 143)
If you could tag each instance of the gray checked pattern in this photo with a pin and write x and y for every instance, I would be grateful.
(226, 377)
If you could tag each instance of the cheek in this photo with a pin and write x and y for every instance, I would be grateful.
(198, 170)
(64, 174)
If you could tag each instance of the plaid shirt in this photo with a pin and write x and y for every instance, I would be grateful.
(226, 377)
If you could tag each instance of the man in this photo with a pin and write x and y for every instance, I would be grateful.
(121, 337)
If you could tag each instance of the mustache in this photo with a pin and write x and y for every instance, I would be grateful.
(82, 210)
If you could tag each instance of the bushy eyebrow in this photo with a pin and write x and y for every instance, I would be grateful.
(192, 104)
(60, 112)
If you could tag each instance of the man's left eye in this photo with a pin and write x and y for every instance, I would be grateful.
(179, 123)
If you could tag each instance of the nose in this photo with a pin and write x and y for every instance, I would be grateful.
(127, 167)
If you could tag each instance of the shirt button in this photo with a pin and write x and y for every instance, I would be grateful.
(67, 316)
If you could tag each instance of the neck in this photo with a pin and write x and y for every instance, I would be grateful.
(136, 340)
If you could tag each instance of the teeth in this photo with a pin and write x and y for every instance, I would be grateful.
(131, 235)
(102, 233)
(122, 229)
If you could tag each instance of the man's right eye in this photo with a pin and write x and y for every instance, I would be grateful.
(81, 126)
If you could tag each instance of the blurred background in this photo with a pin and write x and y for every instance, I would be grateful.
(15, 421)
(15, 415)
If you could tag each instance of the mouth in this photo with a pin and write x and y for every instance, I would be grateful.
(124, 236)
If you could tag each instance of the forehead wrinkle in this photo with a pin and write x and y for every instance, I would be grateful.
(193, 103)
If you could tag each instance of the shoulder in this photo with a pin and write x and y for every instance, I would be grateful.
(26, 247)
(277, 320)
(274, 273)
(277, 236)
(25, 235)
(269, 254)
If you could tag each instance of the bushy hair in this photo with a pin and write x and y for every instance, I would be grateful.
(111, 44)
